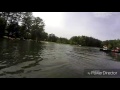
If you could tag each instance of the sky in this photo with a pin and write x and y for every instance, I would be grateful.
(100, 25)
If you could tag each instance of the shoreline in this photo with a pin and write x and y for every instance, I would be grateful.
(9, 38)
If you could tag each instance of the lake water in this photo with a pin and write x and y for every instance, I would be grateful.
(29, 59)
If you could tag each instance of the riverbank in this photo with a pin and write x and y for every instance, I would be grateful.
(6, 37)
(55, 42)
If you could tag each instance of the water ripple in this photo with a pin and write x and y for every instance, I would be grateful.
(29, 59)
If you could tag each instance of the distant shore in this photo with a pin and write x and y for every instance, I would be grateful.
(6, 37)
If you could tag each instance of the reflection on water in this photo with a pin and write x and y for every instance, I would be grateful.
(13, 53)
(115, 56)
(24, 59)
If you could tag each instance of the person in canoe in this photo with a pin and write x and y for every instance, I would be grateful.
(105, 47)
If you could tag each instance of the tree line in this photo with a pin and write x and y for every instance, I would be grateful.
(76, 40)
(112, 44)
(22, 25)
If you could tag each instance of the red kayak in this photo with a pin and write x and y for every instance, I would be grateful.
(116, 51)
(113, 50)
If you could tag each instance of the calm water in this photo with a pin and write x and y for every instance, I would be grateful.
(28, 59)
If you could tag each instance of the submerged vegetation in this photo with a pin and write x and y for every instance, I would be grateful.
(23, 25)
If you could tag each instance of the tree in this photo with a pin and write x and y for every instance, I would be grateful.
(37, 28)
(63, 40)
(13, 29)
(85, 41)
(74, 40)
(12, 20)
(11, 16)
(44, 36)
(52, 38)
(23, 25)
(2, 26)
(112, 43)
(27, 21)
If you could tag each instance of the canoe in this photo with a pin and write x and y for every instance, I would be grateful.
(105, 50)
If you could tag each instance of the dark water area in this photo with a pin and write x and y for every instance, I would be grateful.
(29, 59)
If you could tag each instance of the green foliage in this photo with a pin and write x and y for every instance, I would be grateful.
(52, 38)
(22, 25)
(76, 40)
(13, 30)
(25, 26)
(63, 40)
(111, 43)
(85, 41)
(2, 26)
(44, 36)
(37, 28)
(27, 21)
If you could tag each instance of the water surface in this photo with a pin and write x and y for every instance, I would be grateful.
(29, 59)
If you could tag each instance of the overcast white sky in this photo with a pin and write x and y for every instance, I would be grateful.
(101, 25)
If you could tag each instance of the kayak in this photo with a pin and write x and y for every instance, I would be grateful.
(115, 51)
